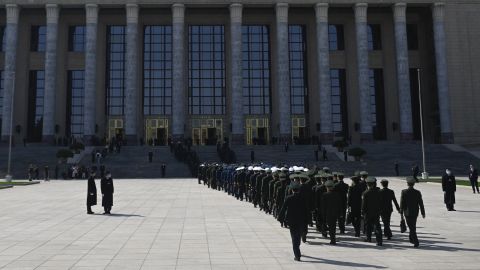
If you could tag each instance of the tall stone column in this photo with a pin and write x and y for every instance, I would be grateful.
(178, 84)
(131, 70)
(438, 12)
(89, 104)
(323, 72)
(403, 75)
(11, 37)
(362, 71)
(236, 103)
(283, 72)
(48, 130)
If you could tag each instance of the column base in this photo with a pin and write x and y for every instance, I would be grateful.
(406, 137)
(326, 138)
(237, 139)
(283, 138)
(446, 138)
(48, 139)
(366, 137)
(131, 140)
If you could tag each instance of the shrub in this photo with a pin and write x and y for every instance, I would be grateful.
(63, 154)
(357, 152)
(77, 146)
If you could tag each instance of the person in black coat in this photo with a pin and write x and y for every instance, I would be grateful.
(449, 186)
(342, 190)
(295, 215)
(410, 202)
(91, 192)
(371, 210)
(415, 172)
(355, 192)
(106, 185)
(331, 205)
(387, 196)
(473, 177)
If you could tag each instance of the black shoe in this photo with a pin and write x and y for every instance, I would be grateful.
(379, 244)
(342, 232)
(453, 209)
(104, 213)
(416, 245)
(357, 234)
(297, 259)
(90, 213)
(389, 238)
(367, 240)
(333, 243)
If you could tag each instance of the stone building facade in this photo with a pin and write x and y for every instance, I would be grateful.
(251, 71)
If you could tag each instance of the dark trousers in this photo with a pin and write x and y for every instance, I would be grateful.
(386, 224)
(474, 183)
(107, 209)
(356, 222)
(341, 220)
(296, 232)
(332, 229)
(412, 228)
(89, 209)
(319, 222)
(373, 224)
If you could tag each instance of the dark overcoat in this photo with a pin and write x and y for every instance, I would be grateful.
(106, 185)
(91, 192)
(449, 186)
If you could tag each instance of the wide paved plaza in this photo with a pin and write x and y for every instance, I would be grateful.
(178, 224)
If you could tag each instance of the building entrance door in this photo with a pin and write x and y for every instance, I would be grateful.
(115, 129)
(156, 131)
(299, 130)
(257, 131)
(207, 131)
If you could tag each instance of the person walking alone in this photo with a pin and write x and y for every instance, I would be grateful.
(473, 177)
(449, 187)
(410, 202)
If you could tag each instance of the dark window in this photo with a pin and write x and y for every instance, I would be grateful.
(115, 78)
(339, 101)
(76, 90)
(206, 80)
(256, 69)
(36, 93)
(76, 38)
(2, 38)
(298, 69)
(412, 37)
(374, 37)
(157, 70)
(335, 37)
(38, 38)
(377, 102)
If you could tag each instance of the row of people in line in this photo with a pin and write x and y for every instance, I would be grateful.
(301, 197)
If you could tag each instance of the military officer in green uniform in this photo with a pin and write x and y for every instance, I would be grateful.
(371, 210)
(342, 189)
(410, 202)
(331, 210)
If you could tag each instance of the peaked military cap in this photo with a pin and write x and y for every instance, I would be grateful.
(294, 186)
(282, 176)
(329, 183)
(371, 179)
(363, 173)
(384, 181)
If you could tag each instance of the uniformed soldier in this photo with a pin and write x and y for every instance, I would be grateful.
(388, 196)
(91, 192)
(295, 215)
(342, 190)
(410, 202)
(371, 210)
(331, 204)
(106, 186)
(355, 192)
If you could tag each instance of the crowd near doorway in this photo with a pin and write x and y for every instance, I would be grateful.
(156, 131)
(115, 129)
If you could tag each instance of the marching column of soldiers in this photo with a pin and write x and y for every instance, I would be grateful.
(300, 197)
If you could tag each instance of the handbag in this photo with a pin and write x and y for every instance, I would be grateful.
(403, 226)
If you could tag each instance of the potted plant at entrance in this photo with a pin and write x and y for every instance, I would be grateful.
(357, 153)
(340, 145)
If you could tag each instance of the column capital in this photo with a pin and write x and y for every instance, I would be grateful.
(132, 13)
(438, 11)
(281, 10)
(52, 13)
(236, 13)
(360, 12)
(399, 11)
(92, 13)
(178, 13)
(321, 12)
(13, 11)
